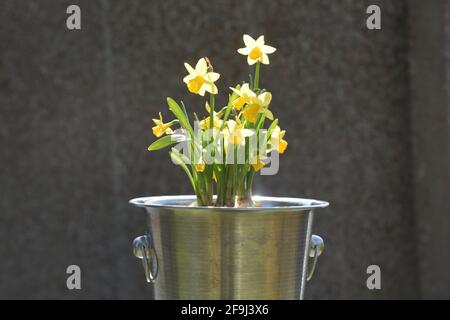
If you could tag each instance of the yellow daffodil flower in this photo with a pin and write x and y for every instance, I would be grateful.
(205, 123)
(256, 105)
(160, 127)
(276, 139)
(200, 80)
(236, 132)
(200, 167)
(256, 50)
(245, 95)
(257, 163)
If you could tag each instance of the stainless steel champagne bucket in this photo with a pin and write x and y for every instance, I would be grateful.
(262, 252)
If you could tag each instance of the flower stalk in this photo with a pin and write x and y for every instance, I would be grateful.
(256, 79)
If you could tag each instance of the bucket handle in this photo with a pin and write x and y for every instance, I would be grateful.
(143, 249)
(316, 246)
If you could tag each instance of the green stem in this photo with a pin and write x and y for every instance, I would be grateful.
(229, 187)
(256, 80)
(210, 186)
(235, 173)
(212, 101)
(223, 181)
(250, 181)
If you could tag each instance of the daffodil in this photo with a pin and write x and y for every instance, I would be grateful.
(200, 167)
(206, 123)
(236, 133)
(200, 79)
(161, 128)
(245, 94)
(257, 163)
(256, 50)
(277, 141)
(256, 105)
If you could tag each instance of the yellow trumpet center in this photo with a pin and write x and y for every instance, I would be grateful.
(255, 53)
(200, 167)
(238, 103)
(195, 84)
(251, 112)
(258, 165)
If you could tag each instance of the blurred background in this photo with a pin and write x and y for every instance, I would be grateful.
(366, 112)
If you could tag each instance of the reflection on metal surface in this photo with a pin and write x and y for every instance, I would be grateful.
(223, 253)
(315, 250)
(143, 249)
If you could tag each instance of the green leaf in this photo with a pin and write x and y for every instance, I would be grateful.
(180, 159)
(184, 110)
(260, 121)
(181, 116)
(271, 127)
(166, 141)
(196, 117)
(229, 107)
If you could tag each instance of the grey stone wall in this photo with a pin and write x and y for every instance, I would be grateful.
(75, 122)
(430, 70)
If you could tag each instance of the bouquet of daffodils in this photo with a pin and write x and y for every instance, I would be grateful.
(222, 151)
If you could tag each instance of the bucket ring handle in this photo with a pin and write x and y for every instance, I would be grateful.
(144, 250)
(316, 246)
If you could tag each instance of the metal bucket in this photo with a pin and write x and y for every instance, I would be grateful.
(228, 253)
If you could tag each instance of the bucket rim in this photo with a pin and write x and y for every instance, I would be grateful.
(279, 203)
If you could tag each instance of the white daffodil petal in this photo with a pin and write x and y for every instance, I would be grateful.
(265, 98)
(189, 68)
(250, 94)
(245, 87)
(210, 87)
(276, 131)
(268, 114)
(260, 41)
(188, 78)
(238, 92)
(201, 66)
(264, 59)
(244, 51)
(202, 90)
(274, 137)
(248, 41)
(247, 132)
(231, 124)
(250, 61)
(268, 49)
(212, 76)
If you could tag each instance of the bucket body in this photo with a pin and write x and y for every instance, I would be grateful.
(228, 253)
